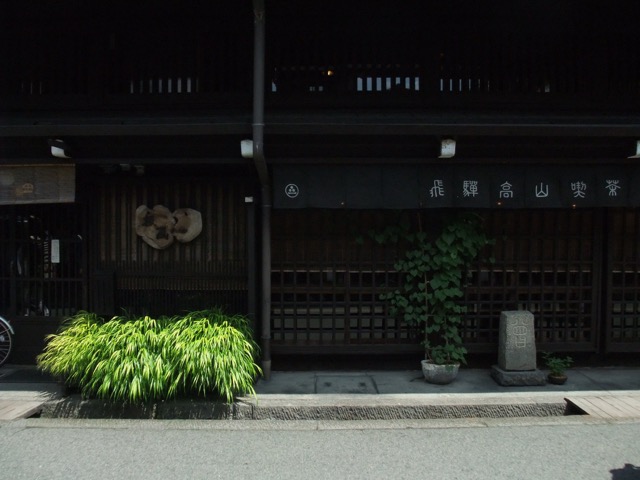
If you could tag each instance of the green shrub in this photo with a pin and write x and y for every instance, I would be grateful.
(146, 359)
(556, 364)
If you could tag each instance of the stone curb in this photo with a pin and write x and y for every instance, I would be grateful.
(382, 411)
(76, 407)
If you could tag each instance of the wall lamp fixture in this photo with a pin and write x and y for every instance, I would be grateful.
(637, 155)
(447, 148)
(246, 148)
(59, 148)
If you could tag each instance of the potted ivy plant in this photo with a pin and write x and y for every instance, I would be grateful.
(557, 366)
(434, 272)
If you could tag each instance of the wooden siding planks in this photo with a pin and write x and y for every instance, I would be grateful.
(14, 409)
(209, 271)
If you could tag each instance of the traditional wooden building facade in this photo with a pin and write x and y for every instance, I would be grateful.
(352, 115)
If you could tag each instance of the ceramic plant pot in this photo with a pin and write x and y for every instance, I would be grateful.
(556, 379)
(439, 374)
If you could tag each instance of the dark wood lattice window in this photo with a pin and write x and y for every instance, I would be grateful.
(43, 270)
(546, 262)
(623, 306)
(326, 286)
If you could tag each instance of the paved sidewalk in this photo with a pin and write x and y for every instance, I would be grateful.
(24, 391)
(469, 381)
(337, 395)
(405, 394)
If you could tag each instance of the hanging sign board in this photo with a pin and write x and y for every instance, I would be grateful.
(454, 186)
(26, 184)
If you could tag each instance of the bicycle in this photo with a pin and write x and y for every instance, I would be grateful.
(6, 339)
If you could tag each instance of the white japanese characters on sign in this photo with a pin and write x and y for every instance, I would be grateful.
(579, 189)
(437, 190)
(613, 186)
(506, 191)
(542, 190)
(453, 186)
(470, 188)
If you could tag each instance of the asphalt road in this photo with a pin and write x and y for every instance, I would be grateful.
(554, 448)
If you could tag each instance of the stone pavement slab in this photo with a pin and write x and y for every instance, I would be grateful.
(471, 381)
(358, 395)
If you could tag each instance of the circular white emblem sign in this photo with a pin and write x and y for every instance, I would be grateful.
(292, 190)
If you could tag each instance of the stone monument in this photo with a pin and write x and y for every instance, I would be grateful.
(517, 351)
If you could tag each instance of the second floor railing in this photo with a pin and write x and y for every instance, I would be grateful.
(397, 57)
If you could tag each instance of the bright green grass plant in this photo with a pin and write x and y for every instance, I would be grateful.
(210, 351)
(143, 360)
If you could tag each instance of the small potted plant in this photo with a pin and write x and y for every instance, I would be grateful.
(557, 366)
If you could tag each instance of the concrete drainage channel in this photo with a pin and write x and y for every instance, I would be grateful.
(75, 406)
(400, 412)
(314, 407)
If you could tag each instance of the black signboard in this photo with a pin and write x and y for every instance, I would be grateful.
(326, 189)
(400, 186)
(454, 186)
(364, 186)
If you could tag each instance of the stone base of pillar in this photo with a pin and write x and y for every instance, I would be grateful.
(511, 378)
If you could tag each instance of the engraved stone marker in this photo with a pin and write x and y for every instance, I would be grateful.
(517, 351)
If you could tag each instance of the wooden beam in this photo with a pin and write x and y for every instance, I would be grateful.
(453, 129)
(59, 128)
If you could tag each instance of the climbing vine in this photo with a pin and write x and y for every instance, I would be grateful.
(434, 271)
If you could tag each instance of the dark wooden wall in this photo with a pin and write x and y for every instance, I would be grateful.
(209, 271)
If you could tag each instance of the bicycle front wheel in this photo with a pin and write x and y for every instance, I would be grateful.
(6, 342)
